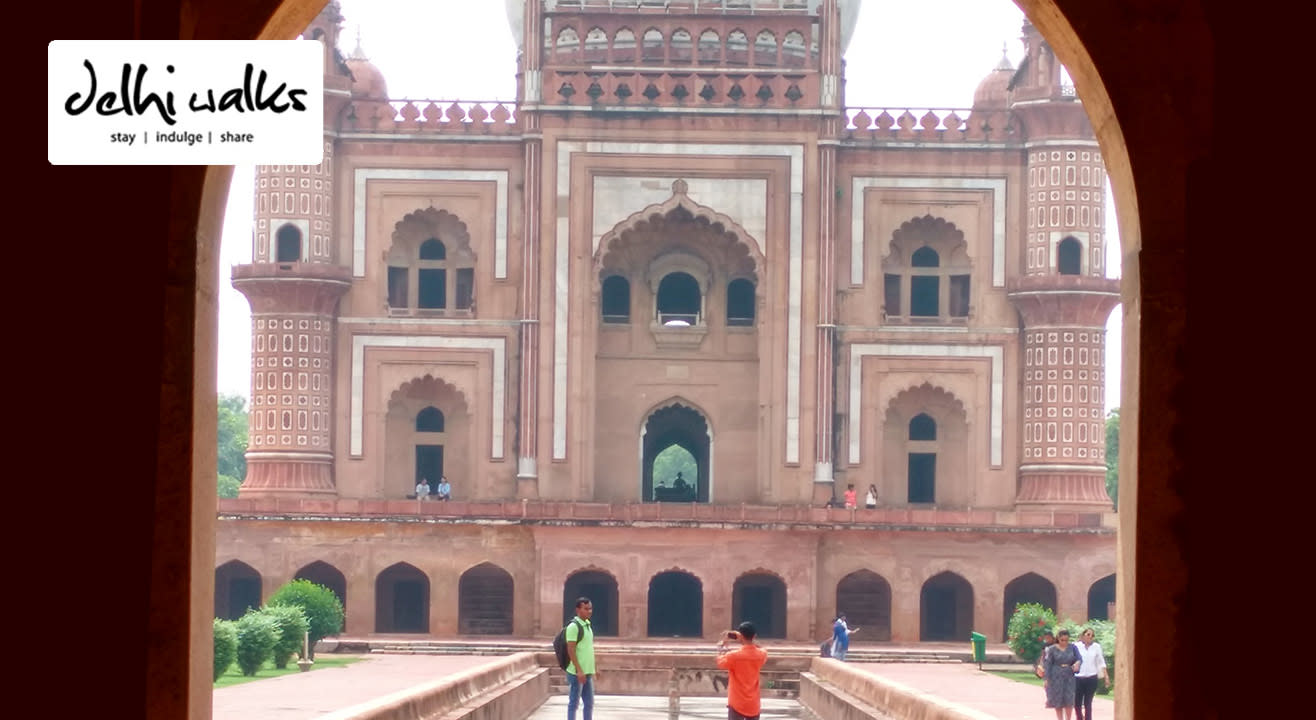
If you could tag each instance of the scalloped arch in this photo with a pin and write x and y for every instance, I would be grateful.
(419, 225)
(681, 570)
(661, 210)
(931, 230)
(673, 401)
(939, 394)
(426, 386)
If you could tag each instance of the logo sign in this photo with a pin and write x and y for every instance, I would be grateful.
(186, 102)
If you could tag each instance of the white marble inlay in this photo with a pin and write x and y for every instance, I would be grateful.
(496, 345)
(359, 201)
(995, 185)
(995, 353)
(561, 305)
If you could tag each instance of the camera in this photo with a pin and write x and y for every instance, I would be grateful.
(732, 635)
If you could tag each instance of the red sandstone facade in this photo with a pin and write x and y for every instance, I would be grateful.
(679, 235)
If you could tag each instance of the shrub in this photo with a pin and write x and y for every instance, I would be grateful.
(1025, 630)
(323, 610)
(257, 634)
(291, 625)
(226, 646)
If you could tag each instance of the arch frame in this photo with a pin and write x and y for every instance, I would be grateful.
(647, 416)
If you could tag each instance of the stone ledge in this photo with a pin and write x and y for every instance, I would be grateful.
(841, 691)
(505, 690)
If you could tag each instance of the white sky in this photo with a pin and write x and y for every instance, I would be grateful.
(923, 54)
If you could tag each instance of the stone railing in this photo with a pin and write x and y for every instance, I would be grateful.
(460, 117)
(695, 88)
(730, 6)
(928, 125)
(511, 687)
(675, 514)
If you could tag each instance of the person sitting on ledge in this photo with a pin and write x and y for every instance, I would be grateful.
(444, 491)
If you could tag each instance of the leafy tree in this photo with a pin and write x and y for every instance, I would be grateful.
(670, 461)
(232, 440)
(226, 645)
(323, 610)
(292, 626)
(228, 486)
(1025, 629)
(1113, 456)
(257, 634)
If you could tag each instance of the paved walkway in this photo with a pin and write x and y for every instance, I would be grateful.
(307, 695)
(964, 684)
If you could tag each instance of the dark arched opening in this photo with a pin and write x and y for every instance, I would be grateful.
(601, 589)
(322, 573)
(679, 299)
(865, 598)
(402, 600)
(288, 246)
(1101, 599)
(925, 290)
(237, 589)
(676, 605)
(1069, 257)
(761, 599)
(740, 303)
(676, 425)
(945, 608)
(1027, 588)
(485, 601)
(615, 300)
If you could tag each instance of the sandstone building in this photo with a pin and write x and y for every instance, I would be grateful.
(680, 236)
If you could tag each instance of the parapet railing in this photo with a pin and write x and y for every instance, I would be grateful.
(928, 124)
(565, 512)
(470, 117)
(730, 6)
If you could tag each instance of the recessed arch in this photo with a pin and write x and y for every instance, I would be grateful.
(402, 600)
(288, 244)
(485, 601)
(237, 589)
(681, 423)
(1027, 588)
(759, 596)
(676, 605)
(945, 608)
(865, 599)
(1101, 598)
(600, 586)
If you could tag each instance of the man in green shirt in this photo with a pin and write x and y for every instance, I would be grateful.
(580, 671)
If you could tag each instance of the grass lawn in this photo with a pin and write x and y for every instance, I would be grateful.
(234, 676)
(1025, 676)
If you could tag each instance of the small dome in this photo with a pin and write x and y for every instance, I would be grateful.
(994, 90)
(367, 80)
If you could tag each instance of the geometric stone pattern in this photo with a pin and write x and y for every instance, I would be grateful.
(1064, 396)
(290, 382)
(1066, 194)
(302, 192)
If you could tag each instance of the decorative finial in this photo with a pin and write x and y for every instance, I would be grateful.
(1005, 64)
(679, 187)
(358, 53)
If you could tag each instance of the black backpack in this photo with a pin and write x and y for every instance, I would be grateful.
(560, 644)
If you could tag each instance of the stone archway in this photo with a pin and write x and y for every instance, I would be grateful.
(237, 589)
(865, 598)
(1101, 598)
(601, 589)
(681, 425)
(485, 601)
(1027, 588)
(402, 600)
(676, 605)
(945, 608)
(760, 597)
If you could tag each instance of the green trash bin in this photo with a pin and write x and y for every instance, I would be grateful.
(979, 647)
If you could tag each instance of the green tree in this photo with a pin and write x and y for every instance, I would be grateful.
(1113, 456)
(228, 486)
(672, 460)
(257, 634)
(321, 606)
(232, 441)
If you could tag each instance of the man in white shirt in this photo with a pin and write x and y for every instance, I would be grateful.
(422, 489)
(1092, 664)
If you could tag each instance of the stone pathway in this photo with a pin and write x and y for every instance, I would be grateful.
(655, 708)
(964, 684)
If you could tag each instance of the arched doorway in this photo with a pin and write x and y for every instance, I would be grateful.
(1027, 588)
(865, 598)
(402, 600)
(760, 597)
(1101, 599)
(601, 589)
(485, 601)
(676, 605)
(945, 608)
(678, 434)
(237, 589)
(322, 573)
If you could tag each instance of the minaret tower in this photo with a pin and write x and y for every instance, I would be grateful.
(1062, 295)
(293, 284)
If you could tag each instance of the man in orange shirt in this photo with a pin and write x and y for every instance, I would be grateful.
(742, 665)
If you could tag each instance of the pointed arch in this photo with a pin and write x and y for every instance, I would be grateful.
(600, 586)
(676, 604)
(326, 575)
(402, 599)
(676, 421)
(1027, 588)
(759, 596)
(945, 607)
(238, 588)
(865, 598)
(485, 600)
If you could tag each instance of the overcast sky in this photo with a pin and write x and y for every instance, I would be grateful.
(922, 54)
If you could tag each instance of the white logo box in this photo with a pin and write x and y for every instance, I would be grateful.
(186, 102)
